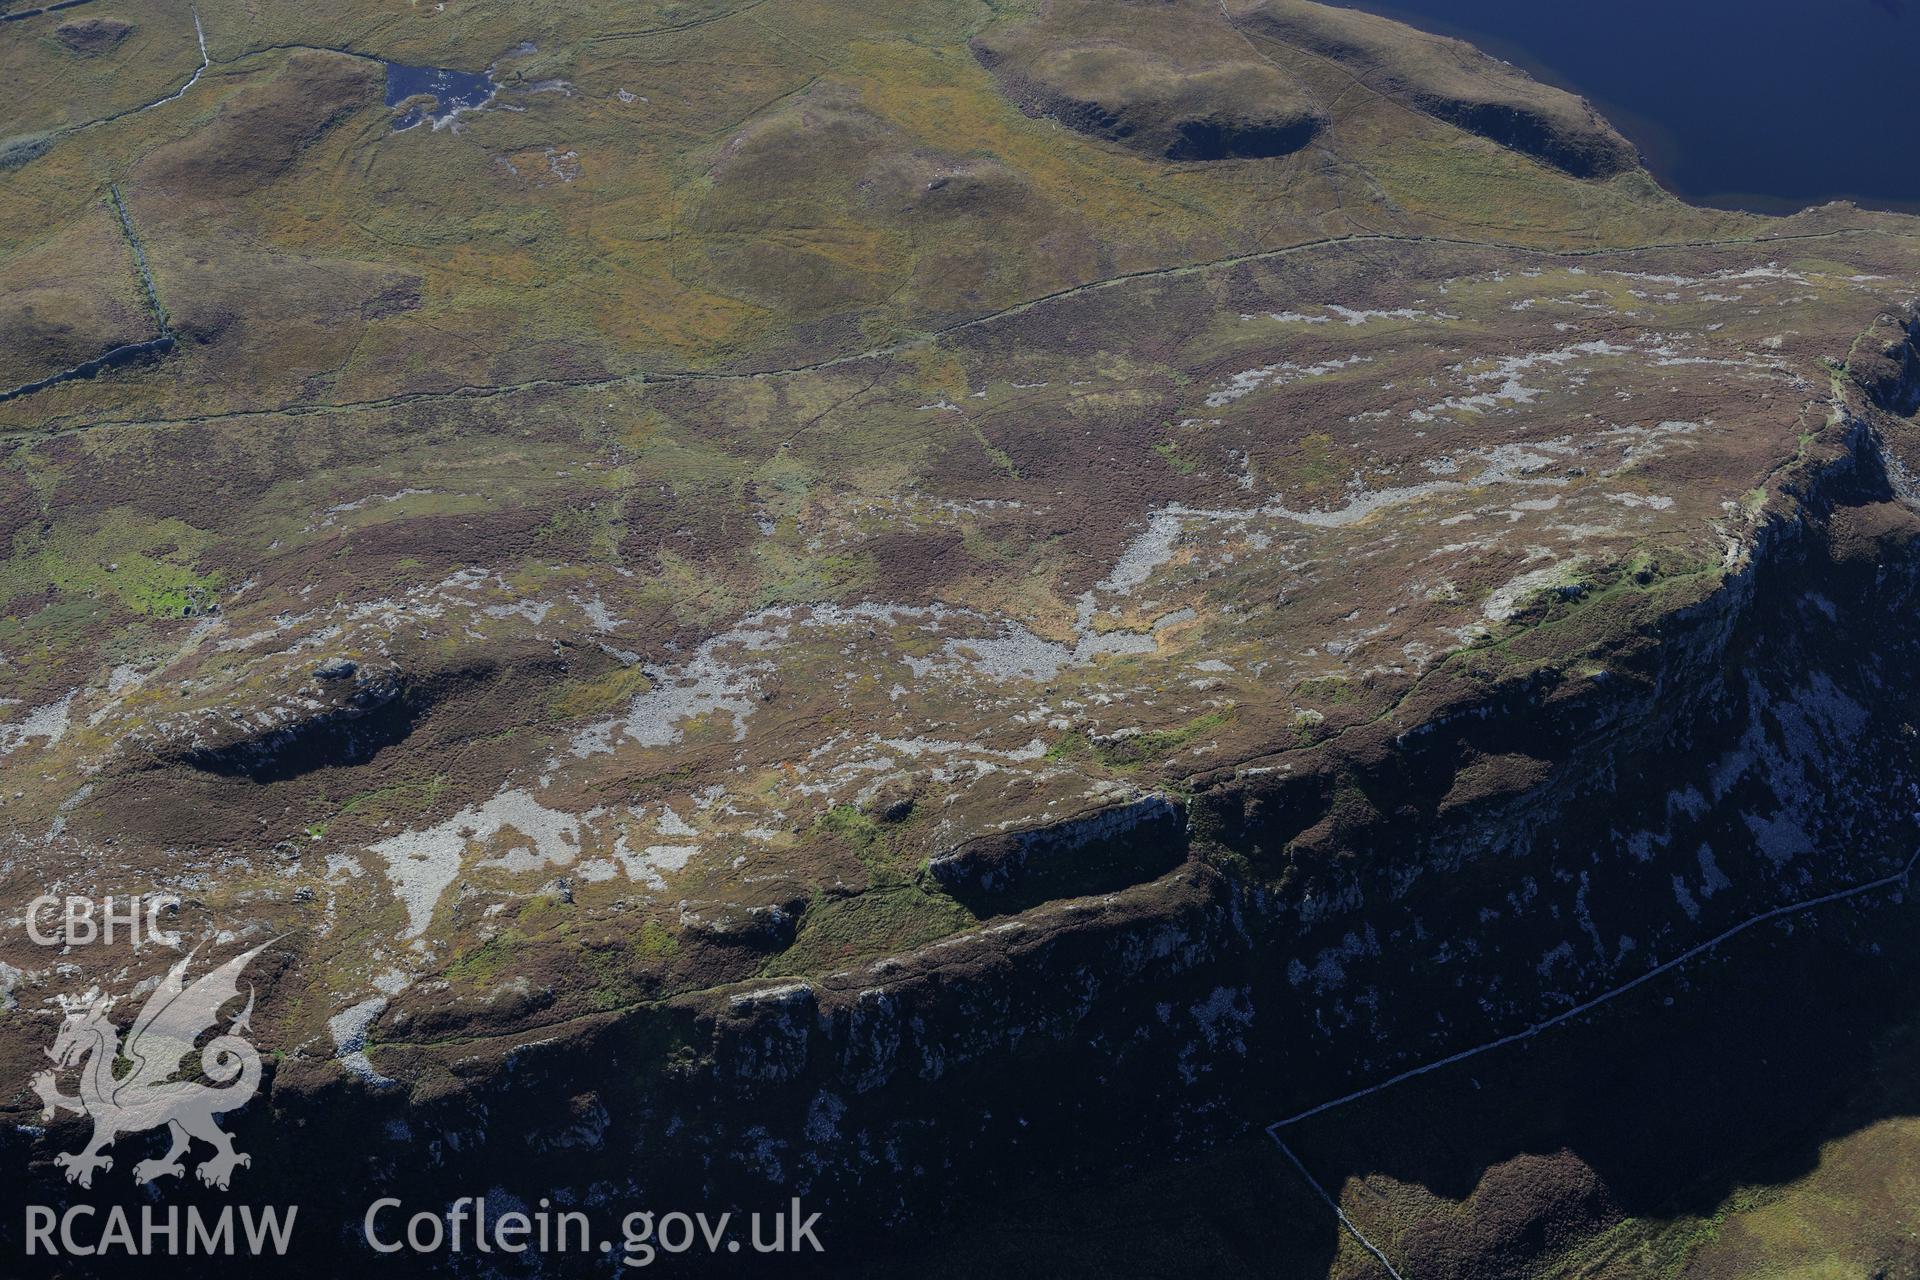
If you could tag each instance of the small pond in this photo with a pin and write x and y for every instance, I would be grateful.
(452, 92)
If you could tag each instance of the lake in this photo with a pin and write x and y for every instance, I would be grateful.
(1768, 105)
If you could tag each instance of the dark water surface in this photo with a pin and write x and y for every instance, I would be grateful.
(1768, 105)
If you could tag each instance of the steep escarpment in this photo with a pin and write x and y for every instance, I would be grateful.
(872, 602)
(1521, 836)
(1166, 80)
(1448, 79)
(1534, 828)
(876, 901)
(1746, 749)
(1109, 849)
(1645, 766)
(1886, 361)
(347, 718)
(1238, 108)
(1190, 81)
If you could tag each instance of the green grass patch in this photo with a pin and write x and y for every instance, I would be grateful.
(1071, 745)
(482, 965)
(1170, 453)
(1128, 753)
(604, 693)
(617, 973)
(401, 800)
(145, 566)
(883, 921)
(1328, 691)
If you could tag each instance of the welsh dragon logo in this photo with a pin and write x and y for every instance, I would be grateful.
(146, 1094)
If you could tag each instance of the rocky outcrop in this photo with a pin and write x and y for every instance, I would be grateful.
(1734, 743)
(1887, 363)
(344, 716)
(1517, 837)
(1450, 80)
(1099, 852)
(91, 37)
(1343, 922)
(1148, 102)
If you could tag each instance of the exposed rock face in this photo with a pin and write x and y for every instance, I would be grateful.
(857, 634)
(1117, 846)
(1449, 79)
(1704, 731)
(1758, 736)
(339, 730)
(1729, 721)
(1760, 727)
(1887, 360)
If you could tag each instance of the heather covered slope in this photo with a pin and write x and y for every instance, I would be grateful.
(836, 551)
(1447, 79)
(860, 178)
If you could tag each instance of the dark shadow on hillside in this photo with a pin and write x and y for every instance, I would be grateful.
(1728, 1076)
